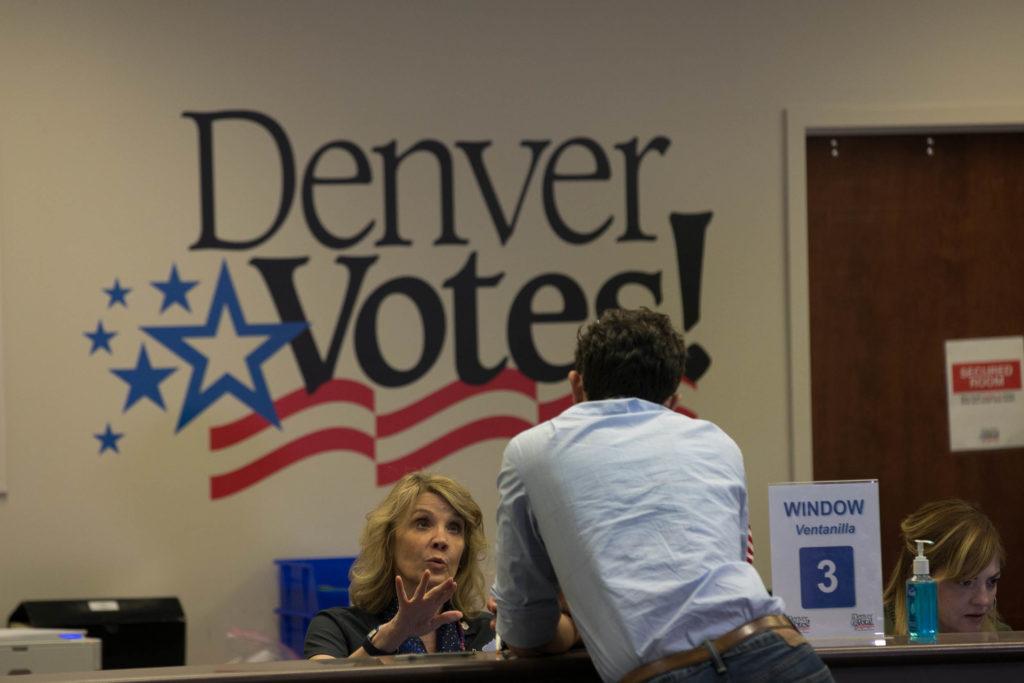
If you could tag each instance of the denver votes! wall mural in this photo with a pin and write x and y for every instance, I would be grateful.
(197, 322)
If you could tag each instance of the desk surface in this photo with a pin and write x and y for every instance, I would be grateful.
(1002, 645)
(850, 659)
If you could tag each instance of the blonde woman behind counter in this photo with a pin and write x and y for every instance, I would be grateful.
(416, 579)
(966, 560)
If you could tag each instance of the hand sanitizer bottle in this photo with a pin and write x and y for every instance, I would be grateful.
(922, 600)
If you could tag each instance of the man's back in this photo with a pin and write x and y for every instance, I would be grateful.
(642, 513)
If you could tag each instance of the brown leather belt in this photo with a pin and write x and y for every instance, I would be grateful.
(773, 622)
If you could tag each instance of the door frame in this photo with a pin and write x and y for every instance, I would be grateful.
(801, 121)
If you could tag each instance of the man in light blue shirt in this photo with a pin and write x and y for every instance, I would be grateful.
(633, 518)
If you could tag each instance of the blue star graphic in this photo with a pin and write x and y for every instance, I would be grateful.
(117, 294)
(108, 440)
(175, 290)
(196, 399)
(100, 338)
(143, 380)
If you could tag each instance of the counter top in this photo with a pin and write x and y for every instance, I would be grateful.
(851, 659)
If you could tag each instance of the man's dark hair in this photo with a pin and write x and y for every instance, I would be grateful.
(630, 353)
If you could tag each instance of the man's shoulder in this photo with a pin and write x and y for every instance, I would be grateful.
(697, 428)
(528, 440)
(714, 431)
(534, 443)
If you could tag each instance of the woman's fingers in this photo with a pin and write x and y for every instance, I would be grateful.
(442, 591)
(445, 618)
(423, 600)
(422, 587)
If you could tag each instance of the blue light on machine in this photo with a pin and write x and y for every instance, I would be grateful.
(71, 636)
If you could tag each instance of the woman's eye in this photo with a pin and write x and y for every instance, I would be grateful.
(968, 583)
(455, 528)
(422, 523)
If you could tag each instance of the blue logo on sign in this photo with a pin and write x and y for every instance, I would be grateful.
(826, 577)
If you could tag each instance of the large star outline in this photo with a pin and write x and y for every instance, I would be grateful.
(225, 299)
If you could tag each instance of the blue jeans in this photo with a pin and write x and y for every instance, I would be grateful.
(764, 657)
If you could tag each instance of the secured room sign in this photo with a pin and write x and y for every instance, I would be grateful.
(826, 556)
(983, 384)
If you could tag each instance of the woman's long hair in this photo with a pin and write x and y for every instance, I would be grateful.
(372, 578)
(965, 542)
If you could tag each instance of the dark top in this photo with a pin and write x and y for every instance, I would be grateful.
(340, 631)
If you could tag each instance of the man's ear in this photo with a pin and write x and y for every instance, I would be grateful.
(576, 385)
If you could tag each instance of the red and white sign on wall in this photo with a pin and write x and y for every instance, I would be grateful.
(997, 375)
(986, 404)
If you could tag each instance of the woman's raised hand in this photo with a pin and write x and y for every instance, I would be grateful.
(420, 612)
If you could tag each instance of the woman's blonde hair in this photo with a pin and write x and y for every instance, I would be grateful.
(965, 542)
(372, 578)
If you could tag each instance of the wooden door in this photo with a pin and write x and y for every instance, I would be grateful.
(913, 240)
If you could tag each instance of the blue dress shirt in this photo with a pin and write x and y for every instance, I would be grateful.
(638, 514)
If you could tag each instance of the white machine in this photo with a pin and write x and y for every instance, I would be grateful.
(47, 650)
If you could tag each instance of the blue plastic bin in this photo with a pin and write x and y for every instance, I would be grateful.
(308, 585)
(293, 631)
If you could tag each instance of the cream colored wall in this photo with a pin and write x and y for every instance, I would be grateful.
(98, 177)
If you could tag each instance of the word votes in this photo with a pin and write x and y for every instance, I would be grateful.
(465, 287)
(344, 237)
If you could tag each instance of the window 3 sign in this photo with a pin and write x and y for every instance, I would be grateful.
(826, 556)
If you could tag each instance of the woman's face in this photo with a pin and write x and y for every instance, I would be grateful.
(431, 537)
(964, 604)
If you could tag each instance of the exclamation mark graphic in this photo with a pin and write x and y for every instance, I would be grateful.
(688, 230)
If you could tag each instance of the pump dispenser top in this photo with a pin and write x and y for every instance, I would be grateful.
(921, 562)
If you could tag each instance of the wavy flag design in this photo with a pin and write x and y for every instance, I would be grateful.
(388, 424)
